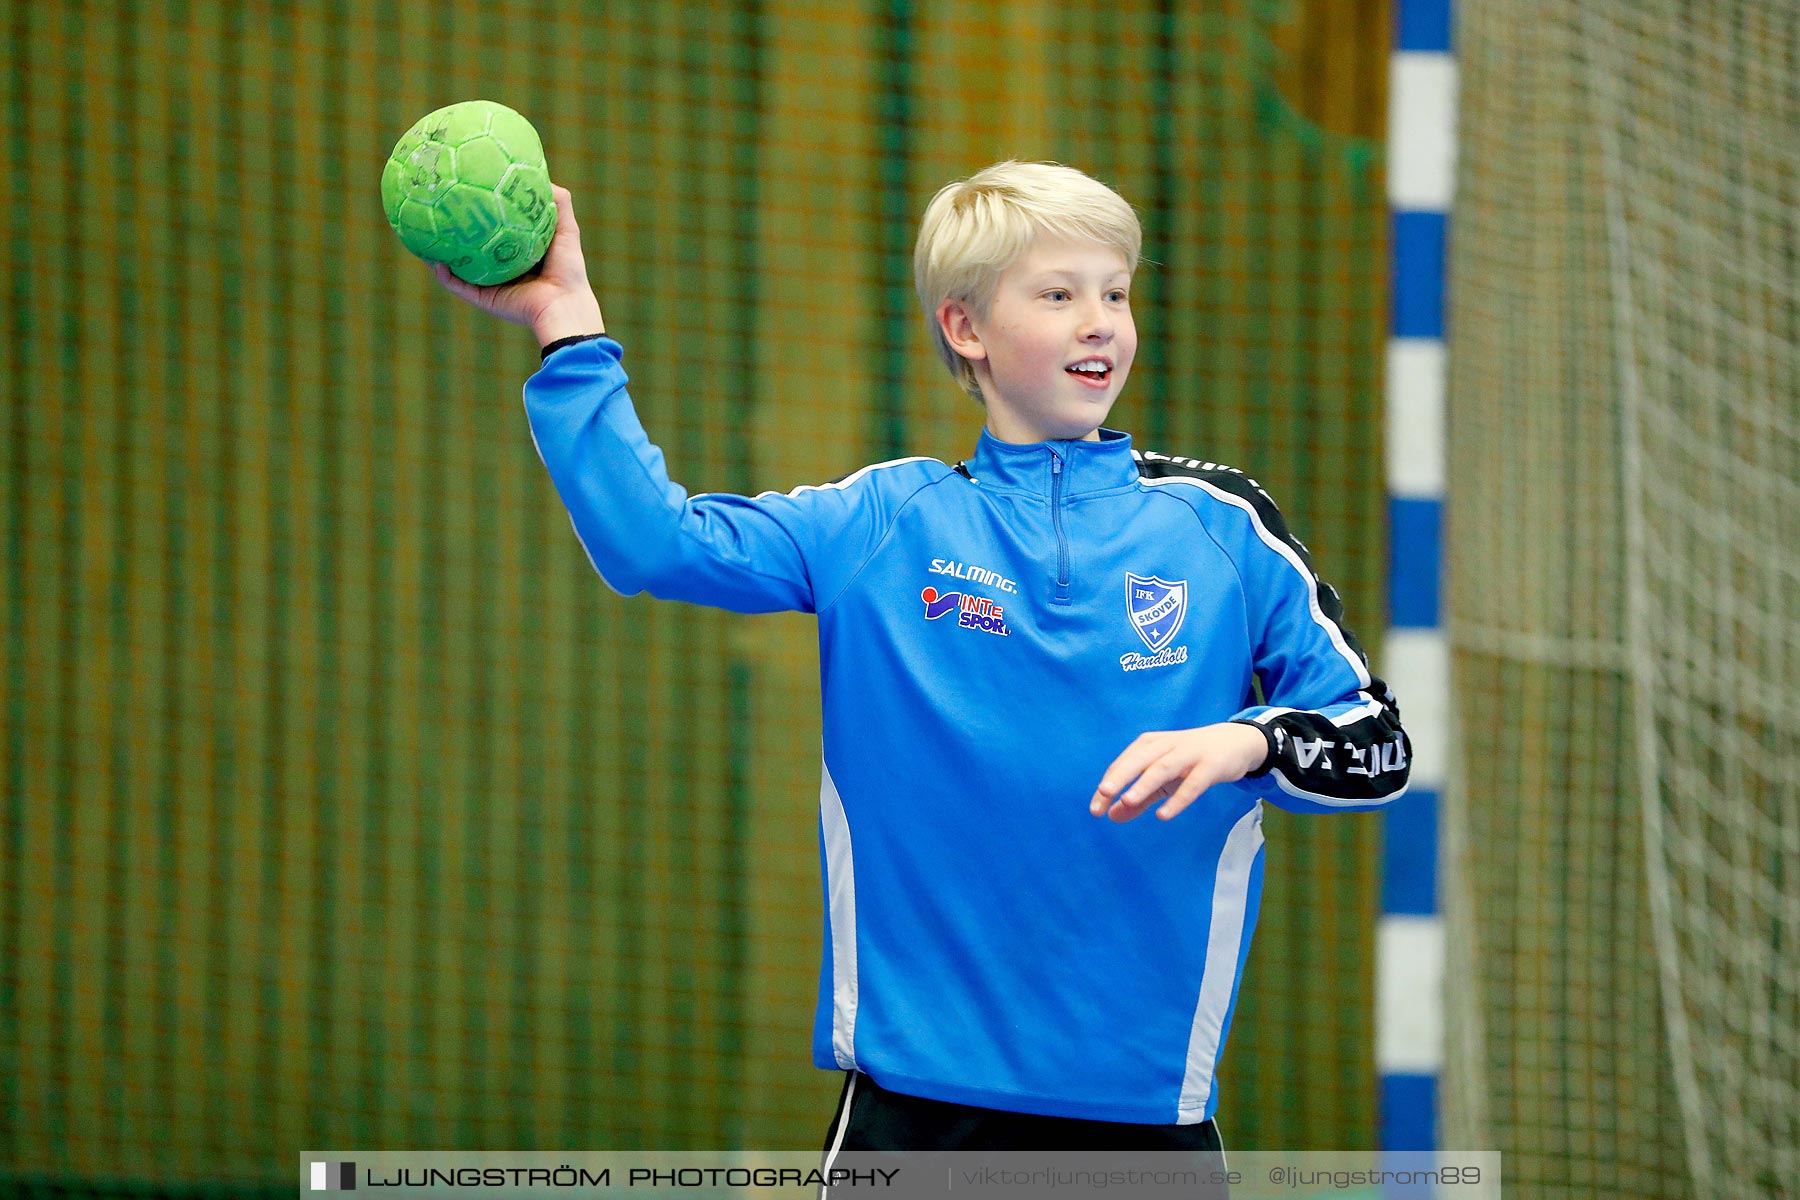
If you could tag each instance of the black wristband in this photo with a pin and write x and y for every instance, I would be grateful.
(559, 343)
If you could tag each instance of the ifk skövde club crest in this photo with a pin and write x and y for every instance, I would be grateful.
(1157, 607)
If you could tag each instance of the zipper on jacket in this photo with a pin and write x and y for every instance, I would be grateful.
(1062, 541)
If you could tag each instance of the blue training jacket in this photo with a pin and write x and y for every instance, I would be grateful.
(991, 636)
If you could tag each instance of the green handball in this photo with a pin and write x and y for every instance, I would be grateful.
(468, 186)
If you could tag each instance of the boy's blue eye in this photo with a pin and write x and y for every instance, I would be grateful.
(1116, 295)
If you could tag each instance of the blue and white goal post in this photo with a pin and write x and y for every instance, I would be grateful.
(1421, 162)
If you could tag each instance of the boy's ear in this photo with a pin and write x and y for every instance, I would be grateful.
(959, 330)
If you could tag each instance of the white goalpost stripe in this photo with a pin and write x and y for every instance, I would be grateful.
(1415, 418)
(1416, 663)
(1409, 991)
(1422, 130)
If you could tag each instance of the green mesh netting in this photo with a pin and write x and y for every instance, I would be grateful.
(343, 804)
(1625, 500)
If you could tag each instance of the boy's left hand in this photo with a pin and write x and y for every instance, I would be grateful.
(1177, 765)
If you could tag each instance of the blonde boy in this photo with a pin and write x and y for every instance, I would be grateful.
(1060, 628)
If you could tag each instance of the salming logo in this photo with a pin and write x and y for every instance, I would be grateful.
(974, 574)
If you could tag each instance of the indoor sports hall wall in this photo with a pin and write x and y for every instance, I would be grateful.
(343, 805)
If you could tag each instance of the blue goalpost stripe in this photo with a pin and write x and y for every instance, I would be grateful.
(1409, 866)
(1409, 1112)
(1414, 529)
(1418, 284)
(1423, 25)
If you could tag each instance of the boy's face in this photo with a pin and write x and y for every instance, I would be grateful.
(1063, 305)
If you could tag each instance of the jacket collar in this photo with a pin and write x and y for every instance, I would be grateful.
(1087, 466)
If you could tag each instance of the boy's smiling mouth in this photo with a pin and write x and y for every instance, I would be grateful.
(1094, 372)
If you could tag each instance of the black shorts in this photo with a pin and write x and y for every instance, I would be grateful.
(871, 1118)
(882, 1120)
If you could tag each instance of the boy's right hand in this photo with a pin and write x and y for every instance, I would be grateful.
(554, 299)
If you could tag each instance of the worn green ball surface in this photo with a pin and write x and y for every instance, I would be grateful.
(467, 185)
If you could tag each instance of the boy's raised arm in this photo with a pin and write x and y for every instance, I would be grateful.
(641, 530)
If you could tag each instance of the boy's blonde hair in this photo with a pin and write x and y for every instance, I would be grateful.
(977, 227)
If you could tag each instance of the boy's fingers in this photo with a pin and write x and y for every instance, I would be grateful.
(1130, 810)
(1166, 769)
(461, 289)
(1158, 779)
(563, 258)
(565, 214)
(1197, 781)
(565, 217)
(1128, 766)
